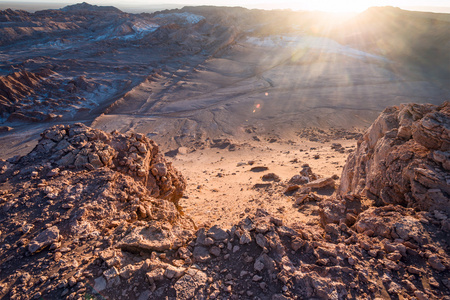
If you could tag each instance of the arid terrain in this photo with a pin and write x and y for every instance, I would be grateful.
(224, 153)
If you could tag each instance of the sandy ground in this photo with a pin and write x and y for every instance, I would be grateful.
(222, 185)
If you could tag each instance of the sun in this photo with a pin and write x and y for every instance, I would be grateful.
(336, 6)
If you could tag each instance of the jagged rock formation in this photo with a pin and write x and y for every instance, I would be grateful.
(403, 158)
(17, 92)
(394, 199)
(78, 188)
(80, 147)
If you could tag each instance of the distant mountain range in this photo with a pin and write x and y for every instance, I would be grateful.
(81, 7)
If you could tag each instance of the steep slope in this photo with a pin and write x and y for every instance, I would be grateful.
(418, 39)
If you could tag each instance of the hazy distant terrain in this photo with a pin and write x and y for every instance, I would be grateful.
(183, 76)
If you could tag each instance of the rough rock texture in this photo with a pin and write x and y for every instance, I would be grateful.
(403, 158)
(393, 204)
(81, 195)
(80, 147)
(92, 215)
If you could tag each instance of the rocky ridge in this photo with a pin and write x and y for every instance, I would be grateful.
(16, 91)
(404, 158)
(77, 185)
(90, 214)
(43, 96)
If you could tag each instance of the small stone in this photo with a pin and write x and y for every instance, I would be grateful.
(155, 275)
(245, 238)
(321, 183)
(297, 244)
(201, 254)
(298, 180)
(261, 240)
(215, 251)
(351, 261)
(300, 199)
(26, 228)
(414, 270)
(436, 263)
(127, 271)
(391, 265)
(110, 273)
(72, 281)
(67, 205)
(420, 295)
(394, 256)
(276, 221)
(44, 239)
(256, 278)
(409, 285)
(271, 177)
(174, 272)
(209, 241)
(433, 282)
(258, 265)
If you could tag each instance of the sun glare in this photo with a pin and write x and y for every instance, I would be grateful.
(336, 6)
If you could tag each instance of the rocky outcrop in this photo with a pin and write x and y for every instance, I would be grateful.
(81, 194)
(393, 202)
(137, 156)
(403, 158)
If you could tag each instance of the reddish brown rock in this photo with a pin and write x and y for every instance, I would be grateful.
(403, 158)
(134, 155)
(44, 239)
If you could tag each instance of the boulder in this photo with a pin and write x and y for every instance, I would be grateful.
(321, 183)
(403, 158)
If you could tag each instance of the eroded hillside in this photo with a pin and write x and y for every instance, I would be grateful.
(182, 76)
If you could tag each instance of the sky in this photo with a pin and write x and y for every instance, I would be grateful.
(323, 5)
